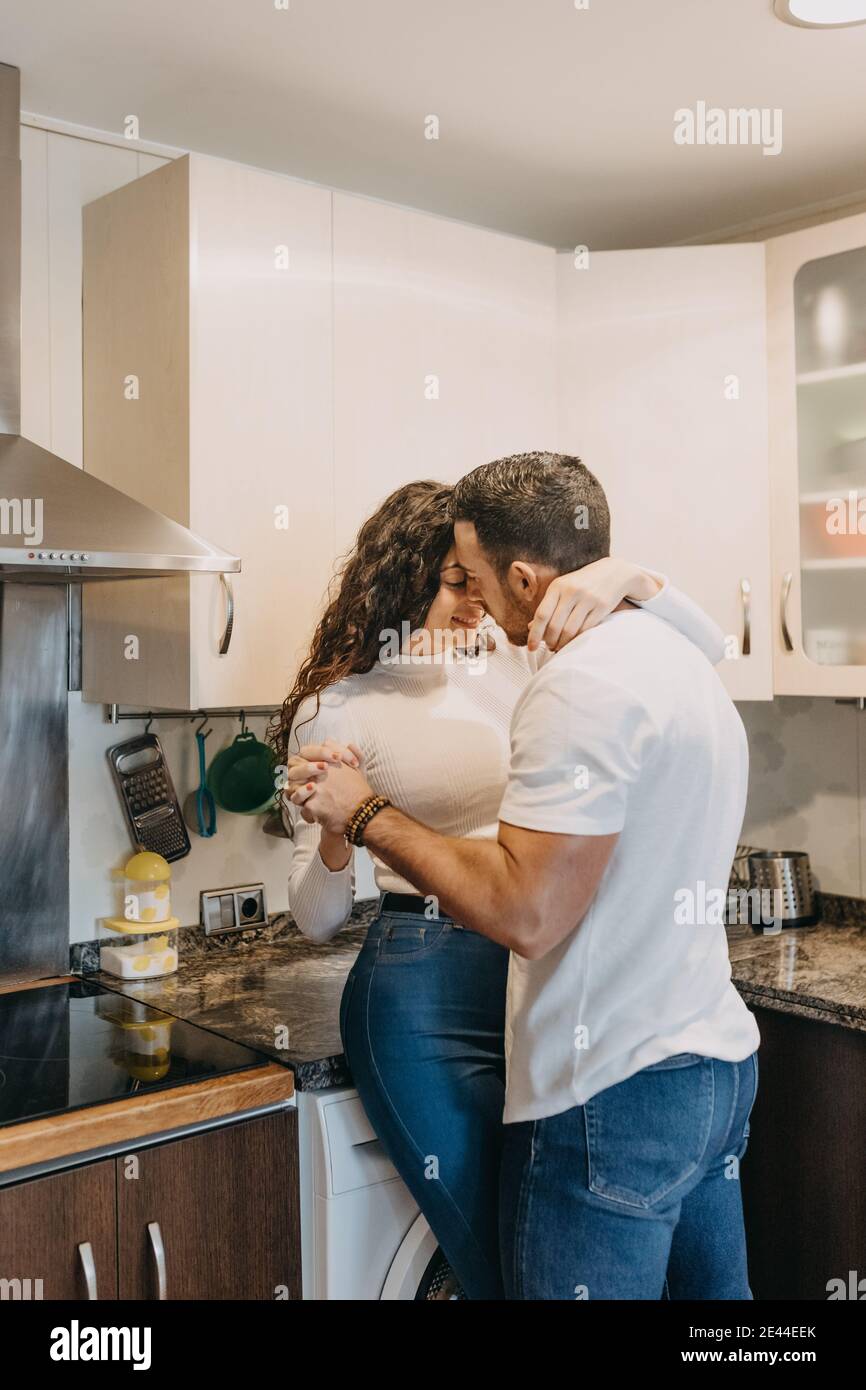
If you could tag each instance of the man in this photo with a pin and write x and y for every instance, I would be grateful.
(631, 1066)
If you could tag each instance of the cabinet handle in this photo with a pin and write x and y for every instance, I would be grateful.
(786, 589)
(88, 1265)
(230, 613)
(746, 596)
(158, 1249)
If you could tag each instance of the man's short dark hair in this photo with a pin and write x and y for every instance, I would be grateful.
(544, 508)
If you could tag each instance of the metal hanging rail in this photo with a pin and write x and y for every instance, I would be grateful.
(113, 714)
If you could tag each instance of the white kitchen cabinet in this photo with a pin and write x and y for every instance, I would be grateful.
(816, 282)
(59, 174)
(662, 391)
(208, 395)
(443, 351)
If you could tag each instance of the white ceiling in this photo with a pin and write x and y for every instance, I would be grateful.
(555, 123)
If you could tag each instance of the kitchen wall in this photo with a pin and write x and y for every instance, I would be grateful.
(807, 788)
(99, 840)
(60, 173)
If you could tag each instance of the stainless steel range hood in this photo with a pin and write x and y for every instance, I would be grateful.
(56, 521)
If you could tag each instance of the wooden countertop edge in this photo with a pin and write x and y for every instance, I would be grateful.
(18, 986)
(150, 1112)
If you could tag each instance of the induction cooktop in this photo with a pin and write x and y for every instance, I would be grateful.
(64, 1047)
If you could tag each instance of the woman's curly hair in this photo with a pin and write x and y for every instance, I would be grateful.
(391, 576)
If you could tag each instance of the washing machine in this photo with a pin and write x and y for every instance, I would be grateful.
(362, 1235)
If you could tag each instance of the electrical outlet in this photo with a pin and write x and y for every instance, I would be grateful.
(234, 909)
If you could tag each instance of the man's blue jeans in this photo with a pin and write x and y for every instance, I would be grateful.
(636, 1194)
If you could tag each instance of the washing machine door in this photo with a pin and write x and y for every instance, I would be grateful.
(420, 1270)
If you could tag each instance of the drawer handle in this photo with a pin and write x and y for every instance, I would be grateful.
(230, 614)
(158, 1249)
(786, 589)
(88, 1265)
(746, 596)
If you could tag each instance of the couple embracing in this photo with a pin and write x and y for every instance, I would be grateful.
(561, 1071)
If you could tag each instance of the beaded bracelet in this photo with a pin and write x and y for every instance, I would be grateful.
(361, 818)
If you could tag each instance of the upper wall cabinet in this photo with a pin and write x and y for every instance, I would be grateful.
(817, 325)
(662, 391)
(444, 351)
(208, 395)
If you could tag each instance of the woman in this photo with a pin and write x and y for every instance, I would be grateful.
(407, 673)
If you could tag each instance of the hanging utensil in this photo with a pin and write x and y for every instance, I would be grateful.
(205, 806)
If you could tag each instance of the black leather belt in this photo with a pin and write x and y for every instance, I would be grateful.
(412, 904)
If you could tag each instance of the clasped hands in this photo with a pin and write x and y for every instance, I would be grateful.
(325, 781)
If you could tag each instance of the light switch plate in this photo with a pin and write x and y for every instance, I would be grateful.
(234, 909)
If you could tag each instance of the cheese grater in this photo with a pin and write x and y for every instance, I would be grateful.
(149, 798)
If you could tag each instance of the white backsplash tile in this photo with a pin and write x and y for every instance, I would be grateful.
(806, 785)
(806, 791)
(99, 840)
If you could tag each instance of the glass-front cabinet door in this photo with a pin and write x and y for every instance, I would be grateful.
(817, 344)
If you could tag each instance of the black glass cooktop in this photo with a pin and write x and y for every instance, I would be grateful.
(63, 1047)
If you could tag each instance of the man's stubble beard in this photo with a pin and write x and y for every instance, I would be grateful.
(515, 622)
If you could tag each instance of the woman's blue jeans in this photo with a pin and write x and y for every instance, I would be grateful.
(422, 1020)
(636, 1194)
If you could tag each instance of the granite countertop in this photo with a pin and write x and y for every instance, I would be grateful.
(274, 991)
(280, 993)
(817, 972)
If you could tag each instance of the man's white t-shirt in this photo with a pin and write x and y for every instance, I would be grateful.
(628, 730)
